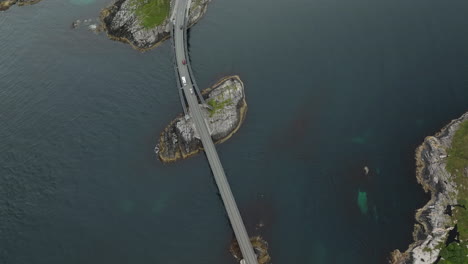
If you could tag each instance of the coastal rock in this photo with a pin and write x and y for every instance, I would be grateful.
(121, 23)
(5, 4)
(197, 10)
(260, 248)
(433, 224)
(76, 24)
(180, 139)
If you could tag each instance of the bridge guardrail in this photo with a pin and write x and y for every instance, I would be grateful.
(174, 63)
(192, 76)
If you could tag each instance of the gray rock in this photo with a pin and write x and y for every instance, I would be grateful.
(433, 223)
(180, 139)
(76, 23)
(5, 4)
(121, 23)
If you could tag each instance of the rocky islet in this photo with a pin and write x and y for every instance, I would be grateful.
(228, 109)
(122, 23)
(5, 4)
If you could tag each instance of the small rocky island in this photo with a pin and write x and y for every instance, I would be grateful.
(180, 140)
(441, 232)
(5, 4)
(260, 248)
(145, 23)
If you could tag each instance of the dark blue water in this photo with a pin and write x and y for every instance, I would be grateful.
(332, 86)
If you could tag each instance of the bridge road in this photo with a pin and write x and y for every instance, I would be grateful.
(208, 145)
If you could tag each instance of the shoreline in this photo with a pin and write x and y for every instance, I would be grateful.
(433, 224)
(6, 4)
(242, 115)
(103, 16)
(109, 13)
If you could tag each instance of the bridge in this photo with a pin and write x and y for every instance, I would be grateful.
(190, 95)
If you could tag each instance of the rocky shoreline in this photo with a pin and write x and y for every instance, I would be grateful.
(260, 248)
(5, 4)
(179, 139)
(121, 23)
(433, 220)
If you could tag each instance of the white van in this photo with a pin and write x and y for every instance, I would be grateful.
(184, 82)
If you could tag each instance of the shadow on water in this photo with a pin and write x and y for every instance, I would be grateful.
(300, 132)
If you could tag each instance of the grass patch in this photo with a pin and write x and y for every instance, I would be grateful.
(457, 162)
(454, 253)
(196, 3)
(152, 13)
(218, 105)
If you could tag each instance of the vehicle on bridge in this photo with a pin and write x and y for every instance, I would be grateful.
(184, 62)
(184, 82)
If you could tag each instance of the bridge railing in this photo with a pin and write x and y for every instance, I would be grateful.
(192, 76)
(174, 63)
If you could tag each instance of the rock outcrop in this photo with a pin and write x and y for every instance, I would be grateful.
(433, 222)
(5, 4)
(260, 248)
(121, 23)
(180, 139)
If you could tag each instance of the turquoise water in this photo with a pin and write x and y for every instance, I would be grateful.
(332, 87)
(362, 202)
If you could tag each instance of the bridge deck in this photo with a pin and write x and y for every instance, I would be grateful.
(180, 48)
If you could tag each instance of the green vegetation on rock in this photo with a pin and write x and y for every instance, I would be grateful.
(457, 163)
(218, 105)
(197, 3)
(152, 13)
(458, 153)
(454, 253)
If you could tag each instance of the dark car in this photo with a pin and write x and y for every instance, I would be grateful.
(181, 27)
(184, 62)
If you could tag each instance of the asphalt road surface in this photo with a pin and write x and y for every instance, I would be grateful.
(210, 150)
